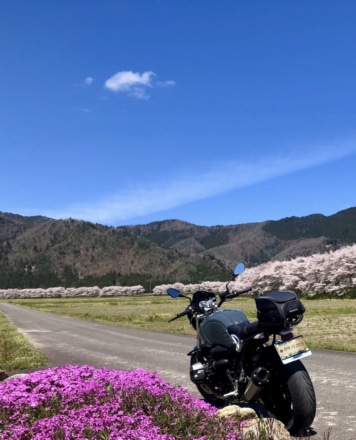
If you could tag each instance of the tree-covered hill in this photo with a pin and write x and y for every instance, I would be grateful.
(48, 252)
(42, 252)
(339, 227)
(255, 243)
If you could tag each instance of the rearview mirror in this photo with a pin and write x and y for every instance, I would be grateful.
(240, 267)
(174, 293)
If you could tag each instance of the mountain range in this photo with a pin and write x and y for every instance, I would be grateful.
(38, 251)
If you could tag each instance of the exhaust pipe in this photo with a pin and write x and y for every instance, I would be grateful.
(258, 380)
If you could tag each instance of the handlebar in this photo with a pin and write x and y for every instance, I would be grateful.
(240, 292)
(184, 313)
(228, 295)
(223, 296)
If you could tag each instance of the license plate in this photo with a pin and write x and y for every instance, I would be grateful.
(292, 350)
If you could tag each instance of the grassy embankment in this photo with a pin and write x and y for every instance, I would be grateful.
(328, 324)
(16, 353)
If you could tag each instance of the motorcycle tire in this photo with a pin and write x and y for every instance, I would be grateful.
(289, 396)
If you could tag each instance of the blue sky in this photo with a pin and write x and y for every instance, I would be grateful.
(211, 112)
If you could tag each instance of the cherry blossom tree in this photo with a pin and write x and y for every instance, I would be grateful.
(333, 273)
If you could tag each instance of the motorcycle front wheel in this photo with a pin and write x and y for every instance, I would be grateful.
(289, 396)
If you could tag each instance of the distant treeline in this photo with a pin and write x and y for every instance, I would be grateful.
(69, 278)
(31, 280)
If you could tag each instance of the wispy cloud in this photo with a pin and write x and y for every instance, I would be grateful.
(165, 83)
(159, 196)
(135, 84)
(88, 80)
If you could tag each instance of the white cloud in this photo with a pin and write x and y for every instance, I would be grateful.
(123, 81)
(134, 83)
(159, 196)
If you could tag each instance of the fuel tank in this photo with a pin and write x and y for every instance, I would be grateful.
(213, 330)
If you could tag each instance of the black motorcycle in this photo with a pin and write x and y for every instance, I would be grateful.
(258, 362)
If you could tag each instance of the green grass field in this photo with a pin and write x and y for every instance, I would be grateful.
(328, 323)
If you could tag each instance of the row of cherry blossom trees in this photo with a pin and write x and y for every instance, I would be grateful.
(332, 273)
(70, 292)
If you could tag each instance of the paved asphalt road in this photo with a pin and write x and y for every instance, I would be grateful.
(72, 341)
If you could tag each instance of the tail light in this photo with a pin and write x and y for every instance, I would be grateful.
(286, 334)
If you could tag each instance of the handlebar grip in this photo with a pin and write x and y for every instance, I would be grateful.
(179, 315)
(227, 295)
(240, 292)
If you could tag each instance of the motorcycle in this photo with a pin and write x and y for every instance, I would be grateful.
(257, 362)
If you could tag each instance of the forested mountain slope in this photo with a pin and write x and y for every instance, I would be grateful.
(42, 252)
(256, 243)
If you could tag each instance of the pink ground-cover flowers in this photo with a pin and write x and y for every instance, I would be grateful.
(82, 402)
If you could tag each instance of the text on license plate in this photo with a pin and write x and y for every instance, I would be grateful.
(292, 349)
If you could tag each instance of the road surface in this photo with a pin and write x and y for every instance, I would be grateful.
(66, 340)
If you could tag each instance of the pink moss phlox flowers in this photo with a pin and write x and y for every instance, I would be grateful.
(85, 403)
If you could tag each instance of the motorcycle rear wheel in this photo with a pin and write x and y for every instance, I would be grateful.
(290, 396)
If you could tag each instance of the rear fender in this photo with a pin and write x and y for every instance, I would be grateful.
(269, 356)
(256, 355)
